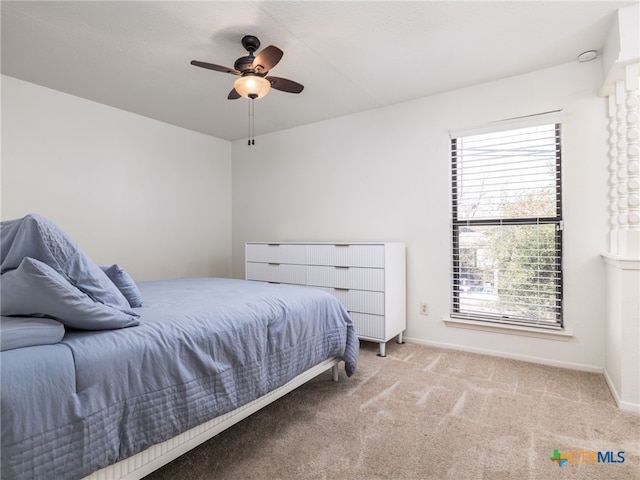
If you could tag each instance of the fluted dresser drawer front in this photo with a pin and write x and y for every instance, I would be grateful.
(277, 272)
(347, 255)
(363, 301)
(276, 253)
(369, 326)
(346, 277)
(367, 278)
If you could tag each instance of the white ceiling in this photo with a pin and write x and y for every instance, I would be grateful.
(351, 56)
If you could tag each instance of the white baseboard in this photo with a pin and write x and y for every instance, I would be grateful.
(630, 407)
(495, 353)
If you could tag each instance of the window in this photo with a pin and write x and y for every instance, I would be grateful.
(507, 225)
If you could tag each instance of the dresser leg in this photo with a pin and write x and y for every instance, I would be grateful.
(383, 351)
(400, 338)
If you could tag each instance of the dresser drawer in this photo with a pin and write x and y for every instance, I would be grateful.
(276, 253)
(369, 279)
(346, 277)
(363, 301)
(274, 272)
(370, 326)
(347, 255)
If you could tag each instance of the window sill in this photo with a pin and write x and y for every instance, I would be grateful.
(560, 335)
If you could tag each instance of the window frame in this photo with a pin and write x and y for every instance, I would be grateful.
(457, 224)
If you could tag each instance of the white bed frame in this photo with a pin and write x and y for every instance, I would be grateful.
(154, 457)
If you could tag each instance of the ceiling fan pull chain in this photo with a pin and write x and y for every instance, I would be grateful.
(253, 125)
(249, 122)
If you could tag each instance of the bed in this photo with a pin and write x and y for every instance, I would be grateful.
(197, 356)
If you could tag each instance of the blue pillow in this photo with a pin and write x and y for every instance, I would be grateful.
(38, 237)
(35, 289)
(18, 332)
(125, 284)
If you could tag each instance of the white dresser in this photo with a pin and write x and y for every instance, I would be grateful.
(367, 278)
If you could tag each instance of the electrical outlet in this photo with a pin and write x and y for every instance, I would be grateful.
(424, 308)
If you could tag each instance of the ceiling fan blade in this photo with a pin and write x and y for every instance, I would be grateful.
(233, 94)
(267, 59)
(213, 66)
(285, 85)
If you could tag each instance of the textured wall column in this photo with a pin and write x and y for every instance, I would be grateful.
(632, 104)
(623, 260)
(613, 175)
(624, 165)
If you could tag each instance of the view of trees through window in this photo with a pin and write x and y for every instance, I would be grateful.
(507, 226)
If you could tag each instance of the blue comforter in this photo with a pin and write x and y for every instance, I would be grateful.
(203, 347)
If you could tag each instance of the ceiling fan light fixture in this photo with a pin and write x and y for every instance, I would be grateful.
(252, 86)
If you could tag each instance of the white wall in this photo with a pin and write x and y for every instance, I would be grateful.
(383, 175)
(157, 198)
(150, 196)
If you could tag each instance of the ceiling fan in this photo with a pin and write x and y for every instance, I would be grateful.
(252, 70)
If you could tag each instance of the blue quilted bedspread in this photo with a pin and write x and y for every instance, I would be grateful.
(204, 347)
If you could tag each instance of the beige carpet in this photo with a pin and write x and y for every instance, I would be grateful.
(427, 413)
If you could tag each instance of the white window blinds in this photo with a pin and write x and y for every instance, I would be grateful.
(507, 226)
